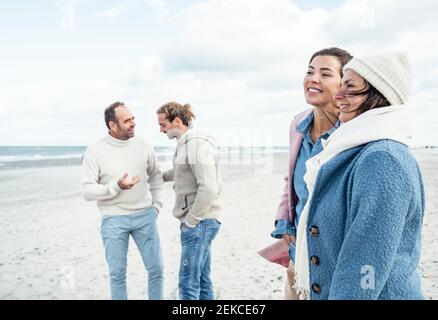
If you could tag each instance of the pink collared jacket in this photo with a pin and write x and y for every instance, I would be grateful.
(278, 252)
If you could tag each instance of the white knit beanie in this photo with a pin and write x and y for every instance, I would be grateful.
(389, 73)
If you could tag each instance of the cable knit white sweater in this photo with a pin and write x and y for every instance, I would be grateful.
(106, 161)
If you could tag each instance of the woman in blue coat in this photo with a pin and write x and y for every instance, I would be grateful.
(360, 233)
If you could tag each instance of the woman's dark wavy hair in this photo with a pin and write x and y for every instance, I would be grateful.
(343, 57)
(374, 98)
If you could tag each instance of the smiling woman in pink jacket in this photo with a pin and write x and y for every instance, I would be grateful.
(308, 128)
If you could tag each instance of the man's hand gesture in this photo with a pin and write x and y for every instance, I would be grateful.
(125, 184)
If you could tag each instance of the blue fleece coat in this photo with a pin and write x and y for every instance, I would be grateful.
(364, 227)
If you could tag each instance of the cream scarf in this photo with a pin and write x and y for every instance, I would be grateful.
(382, 123)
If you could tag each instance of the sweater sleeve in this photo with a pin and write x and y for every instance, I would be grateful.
(91, 188)
(169, 175)
(204, 168)
(155, 180)
(380, 200)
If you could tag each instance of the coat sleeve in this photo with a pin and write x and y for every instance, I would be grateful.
(283, 206)
(169, 175)
(380, 203)
(283, 210)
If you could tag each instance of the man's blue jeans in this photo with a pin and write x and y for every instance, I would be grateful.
(115, 232)
(194, 271)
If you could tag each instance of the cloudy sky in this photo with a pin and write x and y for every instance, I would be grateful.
(239, 63)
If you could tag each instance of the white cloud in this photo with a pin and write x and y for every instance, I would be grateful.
(160, 6)
(113, 12)
(219, 35)
(242, 63)
(148, 70)
(378, 24)
(239, 63)
(236, 62)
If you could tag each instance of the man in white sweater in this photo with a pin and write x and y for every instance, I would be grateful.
(121, 173)
(197, 188)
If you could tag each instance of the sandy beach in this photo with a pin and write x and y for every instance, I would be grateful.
(51, 246)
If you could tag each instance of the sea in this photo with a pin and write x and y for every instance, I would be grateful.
(16, 157)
